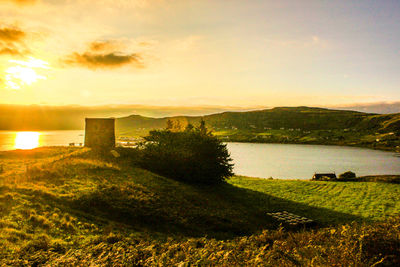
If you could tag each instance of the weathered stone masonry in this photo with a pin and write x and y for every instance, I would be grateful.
(100, 133)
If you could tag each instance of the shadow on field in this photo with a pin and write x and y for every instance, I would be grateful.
(268, 203)
(222, 212)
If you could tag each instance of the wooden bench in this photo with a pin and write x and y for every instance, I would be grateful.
(290, 218)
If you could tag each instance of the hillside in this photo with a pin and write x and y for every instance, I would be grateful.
(276, 118)
(72, 117)
(377, 107)
(42, 117)
(286, 125)
(65, 206)
(299, 125)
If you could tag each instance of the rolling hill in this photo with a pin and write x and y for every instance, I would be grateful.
(305, 118)
(72, 117)
(285, 125)
(73, 208)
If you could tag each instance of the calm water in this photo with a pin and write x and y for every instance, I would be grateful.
(259, 160)
(301, 161)
(10, 140)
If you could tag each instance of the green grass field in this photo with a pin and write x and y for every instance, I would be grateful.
(365, 200)
(65, 206)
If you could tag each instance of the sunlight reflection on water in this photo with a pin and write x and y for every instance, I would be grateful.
(10, 140)
(26, 140)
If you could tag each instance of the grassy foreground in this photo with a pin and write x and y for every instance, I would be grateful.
(63, 206)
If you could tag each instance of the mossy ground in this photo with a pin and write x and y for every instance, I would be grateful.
(65, 206)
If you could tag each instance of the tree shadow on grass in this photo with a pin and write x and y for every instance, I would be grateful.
(220, 212)
(263, 202)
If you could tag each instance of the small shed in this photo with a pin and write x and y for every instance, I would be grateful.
(100, 133)
(324, 176)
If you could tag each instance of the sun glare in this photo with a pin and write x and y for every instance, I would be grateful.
(24, 73)
(26, 140)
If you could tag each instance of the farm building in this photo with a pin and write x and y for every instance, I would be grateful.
(323, 176)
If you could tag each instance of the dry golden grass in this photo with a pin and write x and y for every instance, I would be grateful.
(72, 208)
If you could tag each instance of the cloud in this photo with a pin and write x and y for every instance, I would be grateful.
(103, 55)
(11, 34)
(145, 43)
(12, 42)
(188, 42)
(10, 51)
(105, 46)
(21, 2)
(110, 60)
(307, 42)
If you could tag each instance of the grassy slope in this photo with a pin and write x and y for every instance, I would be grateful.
(71, 208)
(367, 201)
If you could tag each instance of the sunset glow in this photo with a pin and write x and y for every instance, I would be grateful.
(26, 140)
(199, 53)
(199, 132)
(24, 73)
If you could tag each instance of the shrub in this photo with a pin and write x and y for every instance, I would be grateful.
(347, 175)
(40, 242)
(113, 238)
(59, 246)
(42, 173)
(193, 155)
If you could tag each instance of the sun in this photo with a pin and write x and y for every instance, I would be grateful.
(26, 140)
(18, 76)
(24, 73)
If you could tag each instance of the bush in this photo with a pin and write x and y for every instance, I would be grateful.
(347, 175)
(193, 155)
(40, 242)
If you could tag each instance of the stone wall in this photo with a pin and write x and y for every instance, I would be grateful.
(100, 133)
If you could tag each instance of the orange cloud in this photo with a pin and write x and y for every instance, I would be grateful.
(104, 54)
(11, 34)
(111, 60)
(10, 51)
(21, 2)
(12, 42)
(108, 45)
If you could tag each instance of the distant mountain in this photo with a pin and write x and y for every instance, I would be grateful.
(303, 125)
(238, 125)
(381, 108)
(304, 118)
(39, 117)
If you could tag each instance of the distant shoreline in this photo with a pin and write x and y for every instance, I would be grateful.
(390, 149)
(234, 140)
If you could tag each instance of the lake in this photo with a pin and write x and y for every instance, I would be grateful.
(10, 140)
(287, 161)
(284, 161)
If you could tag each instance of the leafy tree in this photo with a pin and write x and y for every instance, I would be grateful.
(347, 175)
(189, 127)
(177, 126)
(192, 155)
(202, 128)
(170, 125)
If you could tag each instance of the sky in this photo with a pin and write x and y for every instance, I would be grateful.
(199, 52)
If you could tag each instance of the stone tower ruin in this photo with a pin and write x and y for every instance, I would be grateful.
(100, 133)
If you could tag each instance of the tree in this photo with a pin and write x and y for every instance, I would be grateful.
(347, 175)
(202, 128)
(193, 155)
(170, 125)
(189, 127)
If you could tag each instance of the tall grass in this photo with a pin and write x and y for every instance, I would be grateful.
(79, 209)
